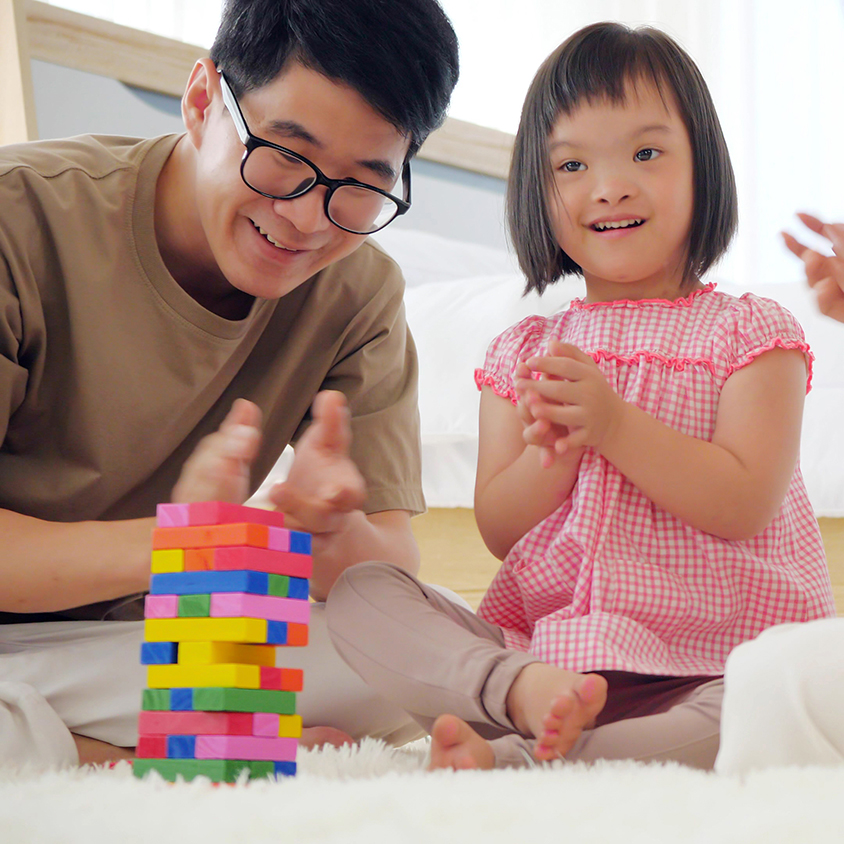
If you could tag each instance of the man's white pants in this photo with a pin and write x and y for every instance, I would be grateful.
(85, 677)
(784, 699)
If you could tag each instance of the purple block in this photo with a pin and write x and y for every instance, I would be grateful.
(259, 748)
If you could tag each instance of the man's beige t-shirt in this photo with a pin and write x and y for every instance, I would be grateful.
(110, 373)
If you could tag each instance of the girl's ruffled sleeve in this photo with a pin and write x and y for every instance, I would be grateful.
(517, 343)
(761, 325)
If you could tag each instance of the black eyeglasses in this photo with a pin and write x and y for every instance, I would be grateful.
(279, 173)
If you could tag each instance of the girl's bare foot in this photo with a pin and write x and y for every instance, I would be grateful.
(555, 706)
(455, 745)
(320, 736)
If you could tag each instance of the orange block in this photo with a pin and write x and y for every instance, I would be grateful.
(211, 536)
(297, 635)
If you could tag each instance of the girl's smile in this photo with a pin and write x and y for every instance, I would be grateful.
(622, 195)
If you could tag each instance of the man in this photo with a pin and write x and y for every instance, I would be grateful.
(159, 299)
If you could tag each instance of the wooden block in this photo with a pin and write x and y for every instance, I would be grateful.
(295, 587)
(208, 582)
(237, 604)
(245, 558)
(160, 653)
(216, 770)
(212, 653)
(168, 560)
(282, 679)
(212, 536)
(155, 699)
(197, 606)
(151, 747)
(193, 676)
(282, 726)
(252, 747)
(242, 700)
(248, 630)
(181, 747)
(198, 723)
(214, 513)
(161, 606)
(297, 635)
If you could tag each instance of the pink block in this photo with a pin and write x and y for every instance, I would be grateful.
(202, 513)
(161, 606)
(279, 539)
(265, 724)
(259, 748)
(241, 605)
(172, 515)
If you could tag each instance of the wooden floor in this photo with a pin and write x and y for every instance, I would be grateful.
(454, 555)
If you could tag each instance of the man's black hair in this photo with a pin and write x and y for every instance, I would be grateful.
(399, 55)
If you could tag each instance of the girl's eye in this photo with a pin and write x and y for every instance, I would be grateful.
(572, 166)
(647, 154)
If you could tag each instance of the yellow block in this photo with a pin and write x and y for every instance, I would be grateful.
(289, 726)
(187, 676)
(168, 560)
(213, 653)
(205, 630)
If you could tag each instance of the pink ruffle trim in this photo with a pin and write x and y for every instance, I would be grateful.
(777, 343)
(484, 380)
(685, 302)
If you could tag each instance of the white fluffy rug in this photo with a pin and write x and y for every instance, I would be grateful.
(373, 794)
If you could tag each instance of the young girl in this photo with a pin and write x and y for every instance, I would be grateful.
(637, 471)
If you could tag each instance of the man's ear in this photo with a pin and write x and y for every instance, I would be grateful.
(202, 90)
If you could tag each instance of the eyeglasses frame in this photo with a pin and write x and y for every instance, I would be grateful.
(253, 142)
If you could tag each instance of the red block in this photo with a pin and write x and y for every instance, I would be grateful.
(190, 723)
(252, 559)
(151, 747)
(215, 513)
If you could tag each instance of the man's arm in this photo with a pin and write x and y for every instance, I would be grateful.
(324, 493)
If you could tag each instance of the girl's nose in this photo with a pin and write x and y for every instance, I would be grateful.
(306, 212)
(613, 188)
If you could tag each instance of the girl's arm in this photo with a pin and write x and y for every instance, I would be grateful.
(731, 487)
(513, 491)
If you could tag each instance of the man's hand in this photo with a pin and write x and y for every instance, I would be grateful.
(824, 273)
(218, 470)
(323, 486)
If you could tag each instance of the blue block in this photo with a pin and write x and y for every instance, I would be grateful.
(276, 632)
(298, 588)
(285, 769)
(206, 582)
(181, 747)
(181, 700)
(300, 543)
(159, 653)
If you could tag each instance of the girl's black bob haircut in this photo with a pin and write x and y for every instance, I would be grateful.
(602, 61)
(402, 58)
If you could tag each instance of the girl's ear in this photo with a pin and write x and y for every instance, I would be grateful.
(202, 89)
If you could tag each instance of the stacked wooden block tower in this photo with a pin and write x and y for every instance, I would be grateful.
(229, 584)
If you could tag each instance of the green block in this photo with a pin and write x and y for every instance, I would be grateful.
(279, 585)
(194, 606)
(221, 699)
(156, 699)
(217, 770)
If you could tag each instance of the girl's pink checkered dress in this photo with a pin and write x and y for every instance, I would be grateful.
(611, 581)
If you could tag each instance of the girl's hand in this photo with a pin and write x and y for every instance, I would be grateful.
(538, 432)
(824, 273)
(572, 400)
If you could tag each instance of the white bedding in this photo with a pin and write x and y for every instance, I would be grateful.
(460, 295)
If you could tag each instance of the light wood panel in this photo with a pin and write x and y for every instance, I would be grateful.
(17, 106)
(161, 64)
(454, 555)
